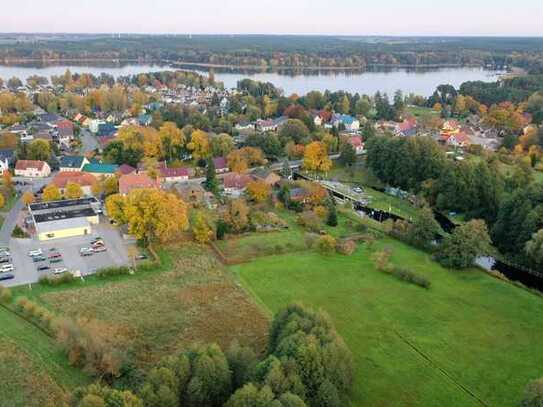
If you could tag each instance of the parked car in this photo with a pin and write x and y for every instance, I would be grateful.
(4, 252)
(99, 249)
(56, 260)
(6, 276)
(4, 260)
(37, 259)
(55, 255)
(98, 243)
(358, 190)
(60, 270)
(43, 267)
(36, 252)
(86, 251)
(141, 256)
(6, 268)
(97, 239)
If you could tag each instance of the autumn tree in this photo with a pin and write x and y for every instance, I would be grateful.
(28, 198)
(7, 181)
(237, 162)
(39, 150)
(51, 193)
(222, 145)
(259, 191)
(316, 157)
(199, 145)
(73, 191)
(2, 201)
(116, 208)
(154, 215)
(172, 139)
(237, 215)
(201, 230)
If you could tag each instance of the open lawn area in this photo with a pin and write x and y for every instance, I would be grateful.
(469, 340)
(419, 111)
(189, 298)
(33, 369)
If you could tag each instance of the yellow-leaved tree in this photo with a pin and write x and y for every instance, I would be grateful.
(259, 191)
(316, 157)
(28, 198)
(237, 162)
(51, 193)
(201, 230)
(171, 138)
(2, 200)
(199, 145)
(73, 191)
(115, 208)
(155, 216)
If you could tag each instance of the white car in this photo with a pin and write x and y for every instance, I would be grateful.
(6, 268)
(37, 252)
(60, 270)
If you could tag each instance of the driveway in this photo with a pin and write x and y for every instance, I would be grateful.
(88, 141)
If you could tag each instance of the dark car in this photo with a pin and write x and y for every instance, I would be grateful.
(43, 267)
(6, 276)
(37, 259)
(4, 260)
(55, 260)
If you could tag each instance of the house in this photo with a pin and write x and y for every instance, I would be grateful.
(271, 124)
(65, 135)
(407, 128)
(357, 143)
(72, 163)
(460, 139)
(145, 119)
(125, 169)
(83, 179)
(174, 174)
(4, 165)
(32, 169)
(349, 122)
(245, 126)
(99, 169)
(7, 154)
(221, 165)
(235, 184)
(105, 130)
(94, 124)
(191, 193)
(267, 176)
(133, 181)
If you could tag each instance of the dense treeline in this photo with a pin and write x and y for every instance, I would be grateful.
(514, 90)
(306, 364)
(294, 51)
(510, 203)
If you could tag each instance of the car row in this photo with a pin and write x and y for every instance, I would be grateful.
(6, 266)
(97, 246)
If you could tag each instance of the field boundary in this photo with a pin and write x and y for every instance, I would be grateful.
(443, 371)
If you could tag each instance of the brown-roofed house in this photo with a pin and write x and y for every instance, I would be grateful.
(125, 169)
(32, 169)
(83, 179)
(133, 181)
(235, 183)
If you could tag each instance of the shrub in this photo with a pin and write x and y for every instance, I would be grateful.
(222, 229)
(19, 233)
(411, 277)
(533, 394)
(113, 271)
(326, 244)
(55, 281)
(381, 259)
(310, 221)
(310, 239)
(346, 247)
(5, 295)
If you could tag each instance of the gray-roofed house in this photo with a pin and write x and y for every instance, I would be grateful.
(72, 163)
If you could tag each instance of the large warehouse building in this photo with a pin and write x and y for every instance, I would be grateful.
(59, 219)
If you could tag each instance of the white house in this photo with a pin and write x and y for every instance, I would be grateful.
(32, 169)
(4, 165)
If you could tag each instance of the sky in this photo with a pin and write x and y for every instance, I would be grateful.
(345, 17)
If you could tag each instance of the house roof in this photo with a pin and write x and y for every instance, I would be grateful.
(220, 163)
(125, 169)
(99, 168)
(355, 141)
(82, 178)
(130, 182)
(238, 181)
(65, 124)
(71, 161)
(174, 172)
(27, 164)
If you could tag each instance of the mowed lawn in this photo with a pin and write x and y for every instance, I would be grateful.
(33, 370)
(470, 338)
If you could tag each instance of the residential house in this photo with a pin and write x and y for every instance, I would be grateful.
(134, 181)
(267, 176)
(407, 128)
(145, 119)
(125, 169)
(191, 193)
(100, 170)
(8, 155)
(84, 180)
(174, 174)
(94, 125)
(349, 122)
(4, 165)
(245, 126)
(32, 169)
(235, 184)
(221, 165)
(357, 143)
(460, 139)
(72, 163)
(106, 130)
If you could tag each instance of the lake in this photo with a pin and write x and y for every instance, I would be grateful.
(421, 81)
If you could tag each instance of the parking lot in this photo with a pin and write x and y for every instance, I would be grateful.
(26, 270)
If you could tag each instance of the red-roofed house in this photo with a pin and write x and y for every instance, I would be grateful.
(221, 166)
(125, 169)
(235, 183)
(357, 143)
(174, 174)
(133, 181)
(460, 139)
(83, 179)
(32, 169)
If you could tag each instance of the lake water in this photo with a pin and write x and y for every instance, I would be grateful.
(418, 81)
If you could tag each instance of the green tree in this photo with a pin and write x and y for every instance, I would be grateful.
(211, 182)
(534, 249)
(331, 217)
(347, 155)
(39, 150)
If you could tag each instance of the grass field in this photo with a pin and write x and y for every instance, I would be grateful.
(189, 298)
(419, 111)
(470, 340)
(33, 369)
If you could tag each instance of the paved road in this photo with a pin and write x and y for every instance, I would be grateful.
(88, 141)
